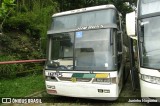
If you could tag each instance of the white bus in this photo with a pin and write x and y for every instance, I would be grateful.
(85, 53)
(144, 26)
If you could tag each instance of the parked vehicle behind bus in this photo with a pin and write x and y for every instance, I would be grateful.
(144, 26)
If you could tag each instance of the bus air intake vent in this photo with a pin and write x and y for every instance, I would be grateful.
(77, 79)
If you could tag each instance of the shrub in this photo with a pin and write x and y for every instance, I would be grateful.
(9, 70)
(34, 23)
(25, 35)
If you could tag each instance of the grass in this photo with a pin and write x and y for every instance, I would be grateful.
(22, 86)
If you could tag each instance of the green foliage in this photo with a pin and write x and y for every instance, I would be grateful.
(4, 40)
(25, 34)
(5, 10)
(6, 6)
(76, 4)
(9, 70)
(34, 22)
(19, 46)
(21, 87)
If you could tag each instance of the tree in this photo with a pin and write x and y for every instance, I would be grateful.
(121, 5)
(5, 10)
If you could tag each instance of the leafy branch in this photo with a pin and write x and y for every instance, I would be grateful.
(5, 10)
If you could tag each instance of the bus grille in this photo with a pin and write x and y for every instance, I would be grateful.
(77, 79)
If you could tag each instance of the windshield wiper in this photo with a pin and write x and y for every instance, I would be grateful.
(111, 40)
(56, 66)
(53, 64)
(141, 33)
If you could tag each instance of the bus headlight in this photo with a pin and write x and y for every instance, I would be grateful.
(151, 79)
(104, 80)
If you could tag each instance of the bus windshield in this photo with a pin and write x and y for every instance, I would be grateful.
(94, 50)
(89, 50)
(149, 6)
(150, 45)
(62, 45)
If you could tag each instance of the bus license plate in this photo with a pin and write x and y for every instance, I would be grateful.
(54, 74)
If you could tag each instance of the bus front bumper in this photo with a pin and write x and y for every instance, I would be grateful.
(83, 90)
(149, 90)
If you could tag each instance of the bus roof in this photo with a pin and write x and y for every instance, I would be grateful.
(84, 10)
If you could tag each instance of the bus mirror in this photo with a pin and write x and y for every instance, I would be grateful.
(130, 25)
